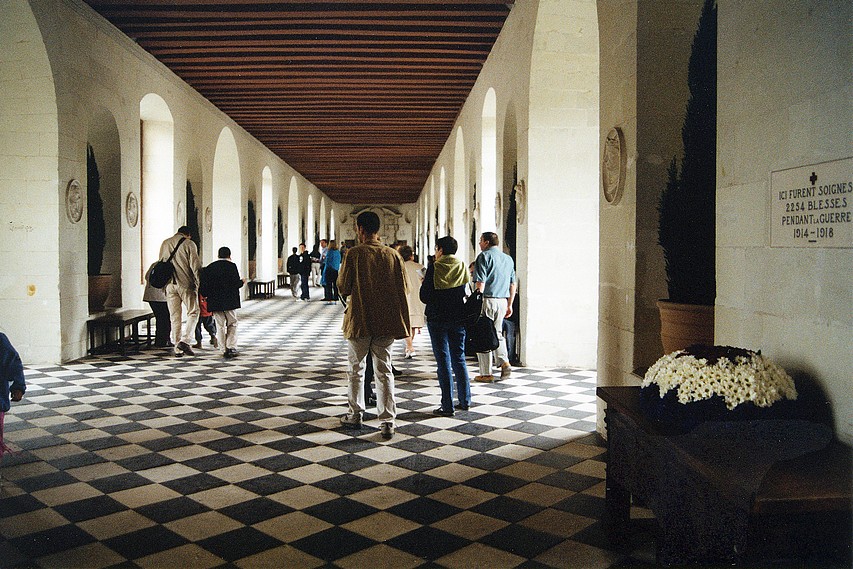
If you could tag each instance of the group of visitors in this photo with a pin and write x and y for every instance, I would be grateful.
(380, 284)
(321, 266)
(389, 296)
(208, 297)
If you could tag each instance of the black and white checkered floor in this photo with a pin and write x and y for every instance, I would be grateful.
(156, 461)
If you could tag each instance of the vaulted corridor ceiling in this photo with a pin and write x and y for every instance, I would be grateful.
(359, 97)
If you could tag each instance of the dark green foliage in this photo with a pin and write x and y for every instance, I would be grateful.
(280, 233)
(686, 228)
(192, 216)
(253, 231)
(97, 234)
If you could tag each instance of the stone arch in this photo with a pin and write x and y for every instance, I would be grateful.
(442, 202)
(103, 139)
(227, 203)
(459, 196)
(310, 223)
(195, 186)
(433, 216)
(267, 264)
(157, 193)
(250, 230)
(562, 184)
(323, 229)
(293, 216)
(509, 162)
(489, 162)
(40, 238)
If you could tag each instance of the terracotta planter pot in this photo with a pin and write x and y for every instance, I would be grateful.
(99, 290)
(682, 325)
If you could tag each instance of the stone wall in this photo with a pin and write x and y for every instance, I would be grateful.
(785, 95)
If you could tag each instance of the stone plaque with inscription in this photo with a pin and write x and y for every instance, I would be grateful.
(812, 206)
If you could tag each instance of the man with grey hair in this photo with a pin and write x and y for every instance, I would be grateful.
(377, 313)
(494, 276)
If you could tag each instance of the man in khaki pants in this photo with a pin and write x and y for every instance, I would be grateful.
(377, 313)
(494, 276)
(182, 290)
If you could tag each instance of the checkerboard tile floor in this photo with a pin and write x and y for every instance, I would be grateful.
(156, 461)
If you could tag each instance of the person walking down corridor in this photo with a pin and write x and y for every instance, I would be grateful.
(182, 290)
(304, 272)
(494, 276)
(331, 267)
(377, 313)
(414, 277)
(221, 283)
(293, 271)
(443, 291)
(156, 299)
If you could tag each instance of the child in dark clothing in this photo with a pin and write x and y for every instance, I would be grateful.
(12, 384)
(205, 318)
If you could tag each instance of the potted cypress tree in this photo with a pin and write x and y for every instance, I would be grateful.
(99, 284)
(687, 223)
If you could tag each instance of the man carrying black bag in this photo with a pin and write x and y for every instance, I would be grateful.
(494, 276)
(182, 288)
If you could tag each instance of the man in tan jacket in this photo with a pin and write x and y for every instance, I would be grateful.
(377, 313)
(182, 290)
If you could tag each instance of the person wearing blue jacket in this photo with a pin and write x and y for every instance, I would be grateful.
(443, 292)
(330, 271)
(12, 384)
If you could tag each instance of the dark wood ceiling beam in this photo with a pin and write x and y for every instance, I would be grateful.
(180, 45)
(285, 31)
(359, 97)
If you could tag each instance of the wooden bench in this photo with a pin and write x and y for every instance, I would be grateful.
(699, 506)
(261, 289)
(119, 332)
(283, 280)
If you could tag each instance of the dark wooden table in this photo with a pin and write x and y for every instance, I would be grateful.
(261, 289)
(283, 280)
(706, 512)
(119, 332)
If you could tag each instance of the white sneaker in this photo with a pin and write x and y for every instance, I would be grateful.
(410, 355)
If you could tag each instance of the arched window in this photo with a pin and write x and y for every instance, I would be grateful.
(489, 180)
(157, 193)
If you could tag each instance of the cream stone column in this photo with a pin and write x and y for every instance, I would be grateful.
(645, 46)
(560, 280)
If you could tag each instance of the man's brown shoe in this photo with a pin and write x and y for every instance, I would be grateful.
(485, 378)
(506, 370)
(184, 347)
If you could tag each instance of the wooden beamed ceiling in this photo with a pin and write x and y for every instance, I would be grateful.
(359, 97)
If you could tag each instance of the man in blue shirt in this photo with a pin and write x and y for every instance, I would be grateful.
(494, 276)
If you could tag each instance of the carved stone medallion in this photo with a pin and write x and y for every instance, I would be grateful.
(73, 201)
(613, 166)
(131, 209)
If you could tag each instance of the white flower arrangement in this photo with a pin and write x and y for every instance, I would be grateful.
(750, 377)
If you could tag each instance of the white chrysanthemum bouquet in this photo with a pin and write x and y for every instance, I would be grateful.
(734, 374)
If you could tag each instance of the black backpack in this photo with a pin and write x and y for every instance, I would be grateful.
(163, 271)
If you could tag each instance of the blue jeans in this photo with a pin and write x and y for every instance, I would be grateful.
(448, 347)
